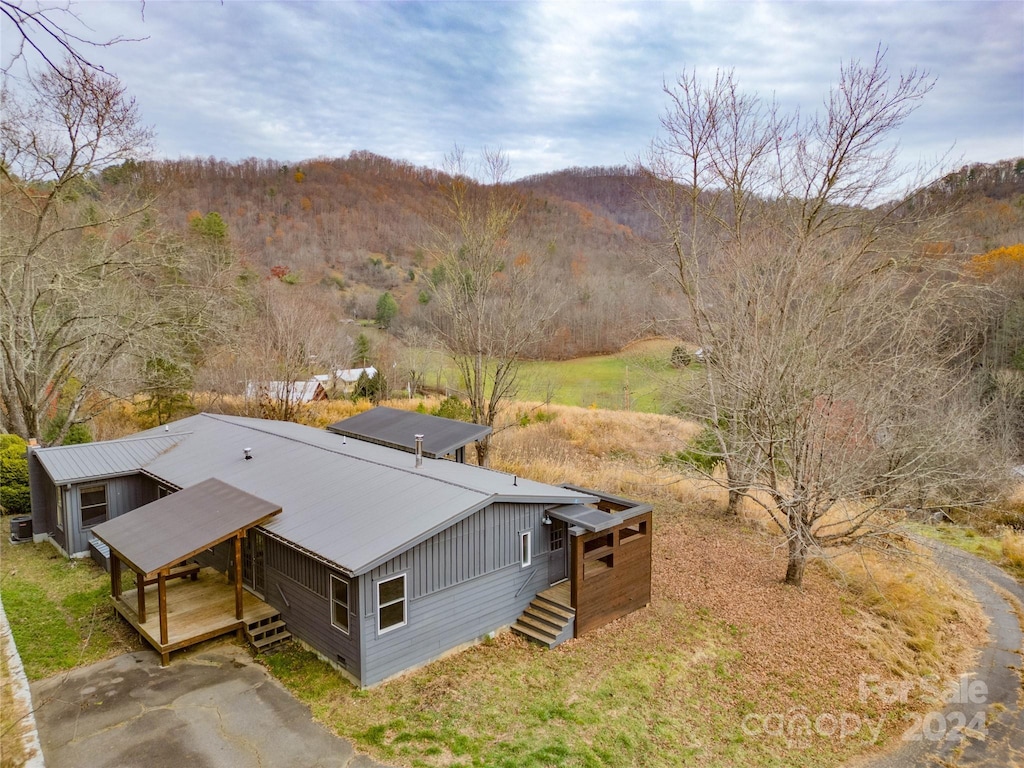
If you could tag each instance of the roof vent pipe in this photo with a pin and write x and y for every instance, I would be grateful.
(419, 451)
(248, 453)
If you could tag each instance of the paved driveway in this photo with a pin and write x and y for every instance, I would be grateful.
(211, 708)
(938, 740)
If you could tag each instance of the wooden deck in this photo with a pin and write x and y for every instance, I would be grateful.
(560, 594)
(196, 611)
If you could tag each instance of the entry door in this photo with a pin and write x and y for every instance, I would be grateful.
(558, 559)
(252, 561)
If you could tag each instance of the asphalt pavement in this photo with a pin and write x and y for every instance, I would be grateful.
(982, 725)
(210, 708)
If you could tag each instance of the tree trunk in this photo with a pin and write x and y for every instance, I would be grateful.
(735, 501)
(797, 558)
(483, 450)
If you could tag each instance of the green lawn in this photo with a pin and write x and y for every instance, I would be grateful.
(638, 379)
(59, 610)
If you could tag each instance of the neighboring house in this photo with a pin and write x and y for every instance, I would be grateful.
(345, 379)
(378, 557)
(287, 391)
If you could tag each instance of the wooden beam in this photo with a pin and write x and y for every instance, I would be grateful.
(115, 575)
(239, 612)
(140, 590)
(161, 591)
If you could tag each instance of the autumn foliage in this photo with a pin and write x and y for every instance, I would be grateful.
(998, 261)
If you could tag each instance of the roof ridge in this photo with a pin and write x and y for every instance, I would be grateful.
(218, 417)
(130, 439)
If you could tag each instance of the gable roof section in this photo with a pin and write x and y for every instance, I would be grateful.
(179, 526)
(352, 503)
(96, 461)
(398, 429)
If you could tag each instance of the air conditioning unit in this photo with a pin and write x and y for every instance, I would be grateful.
(21, 528)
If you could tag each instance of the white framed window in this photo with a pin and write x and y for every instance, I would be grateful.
(339, 603)
(94, 505)
(391, 604)
(60, 508)
(525, 548)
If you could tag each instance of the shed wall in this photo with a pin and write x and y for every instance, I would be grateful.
(600, 593)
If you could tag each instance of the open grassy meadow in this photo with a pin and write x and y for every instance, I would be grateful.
(639, 378)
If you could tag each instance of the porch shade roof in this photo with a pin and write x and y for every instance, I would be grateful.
(177, 527)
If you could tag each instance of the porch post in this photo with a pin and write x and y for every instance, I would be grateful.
(140, 591)
(239, 613)
(161, 590)
(115, 576)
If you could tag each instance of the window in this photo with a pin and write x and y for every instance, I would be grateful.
(60, 508)
(339, 603)
(391, 604)
(525, 548)
(557, 538)
(94, 505)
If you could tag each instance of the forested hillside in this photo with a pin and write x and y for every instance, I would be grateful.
(343, 231)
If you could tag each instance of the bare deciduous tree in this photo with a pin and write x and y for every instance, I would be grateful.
(488, 306)
(834, 381)
(289, 340)
(41, 26)
(86, 278)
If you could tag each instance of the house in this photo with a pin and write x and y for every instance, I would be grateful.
(287, 391)
(378, 557)
(344, 380)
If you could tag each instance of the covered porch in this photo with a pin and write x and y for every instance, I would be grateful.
(176, 604)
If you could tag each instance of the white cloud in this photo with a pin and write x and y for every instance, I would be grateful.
(554, 84)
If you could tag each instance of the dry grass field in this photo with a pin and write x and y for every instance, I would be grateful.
(724, 668)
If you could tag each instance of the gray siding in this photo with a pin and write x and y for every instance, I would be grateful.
(461, 584)
(43, 495)
(123, 495)
(299, 587)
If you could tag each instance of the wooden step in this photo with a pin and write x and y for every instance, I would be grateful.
(265, 643)
(531, 633)
(264, 629)
(539, 625)
(555, 609)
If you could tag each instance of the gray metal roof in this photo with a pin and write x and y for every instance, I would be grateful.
(178, 526)
(398, 429)
(73, 463)
(351, 502)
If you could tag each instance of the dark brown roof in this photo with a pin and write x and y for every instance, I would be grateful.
(177, 527)
(398, 429)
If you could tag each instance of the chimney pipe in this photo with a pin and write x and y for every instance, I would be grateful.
(419, 451)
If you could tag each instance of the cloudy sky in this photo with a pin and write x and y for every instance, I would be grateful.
(553, 84)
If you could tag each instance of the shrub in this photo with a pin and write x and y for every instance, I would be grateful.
(77, 434)
(680, 357)
(14, 494)
(1013, 548)
(703, 453)
(453, 408)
